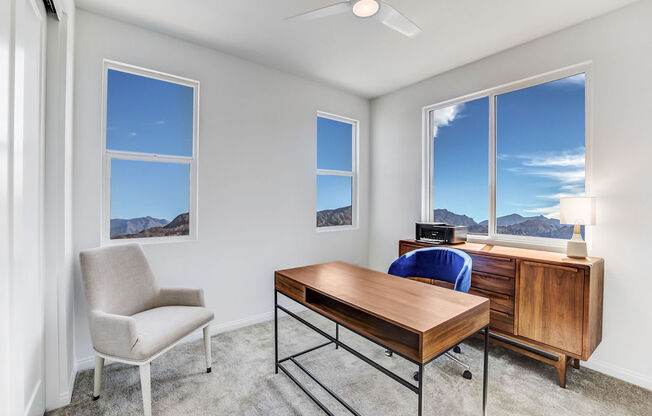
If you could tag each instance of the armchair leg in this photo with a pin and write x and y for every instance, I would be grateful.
(97, 385)
(146, 387)
(207, 349)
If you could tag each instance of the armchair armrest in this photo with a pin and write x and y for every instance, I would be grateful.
(181, 297)
(113, 334)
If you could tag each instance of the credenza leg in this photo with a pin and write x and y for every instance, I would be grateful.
(562, 364)
(576, 363)
(275, 332)
(420, 389)
(485, 371)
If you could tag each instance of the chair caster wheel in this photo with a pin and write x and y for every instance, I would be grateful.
(95, 397)
(415, 376)
(209, 369)
(457, 349)
(467, 375)
(388, 353)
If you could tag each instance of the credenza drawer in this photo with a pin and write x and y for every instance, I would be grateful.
(498, 301)
(406, 248)
(501, 321)
(494, 283)
(502, 266)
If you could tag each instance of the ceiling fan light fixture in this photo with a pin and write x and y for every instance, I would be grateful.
(365, 8)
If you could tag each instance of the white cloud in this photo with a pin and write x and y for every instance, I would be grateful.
(154, 123)
(550, 212)
(575, 80)
(132, 134)
(445, 116)
(567, 177)
(576, 160)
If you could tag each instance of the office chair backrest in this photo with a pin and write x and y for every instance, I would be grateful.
(118, 280)
(441, 263)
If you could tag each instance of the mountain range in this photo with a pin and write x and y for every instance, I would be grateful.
(339, 216)
(512, 224)
(152, 227)
(121, 226)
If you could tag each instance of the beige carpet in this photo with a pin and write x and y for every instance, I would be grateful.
(243, 382)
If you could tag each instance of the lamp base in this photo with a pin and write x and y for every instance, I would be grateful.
(576, 249)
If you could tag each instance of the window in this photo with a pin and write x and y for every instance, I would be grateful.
(150, 155)
(460, 144)
(500, 160)
(337, 139)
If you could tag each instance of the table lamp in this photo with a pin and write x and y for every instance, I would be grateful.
(577, 210)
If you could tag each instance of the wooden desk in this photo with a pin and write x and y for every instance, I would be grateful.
(544, 305)
(415, 321)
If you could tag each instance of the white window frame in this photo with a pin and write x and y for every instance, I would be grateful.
(108, 155)
(353, 174)
(427, 191)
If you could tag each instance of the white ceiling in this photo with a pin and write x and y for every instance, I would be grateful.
(361, 56)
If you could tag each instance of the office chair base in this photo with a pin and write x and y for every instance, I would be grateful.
(95, 397)
(209, 369)
(467, 375)
(457, 349)
(388, 353)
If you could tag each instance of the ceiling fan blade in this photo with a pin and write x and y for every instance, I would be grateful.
(392, 18)
(337, 8)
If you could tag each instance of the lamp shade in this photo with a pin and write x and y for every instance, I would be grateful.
(579, 210)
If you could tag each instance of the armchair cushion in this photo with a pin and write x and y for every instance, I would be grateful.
(158, 328)
(181, 297)
(113, 334)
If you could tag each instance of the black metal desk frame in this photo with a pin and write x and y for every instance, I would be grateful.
(335, 340)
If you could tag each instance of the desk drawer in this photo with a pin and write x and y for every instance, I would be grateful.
(494, 283)
(501, 321)
(494, 265)
(498, 301)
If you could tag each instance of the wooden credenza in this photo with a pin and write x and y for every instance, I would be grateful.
(542, 304)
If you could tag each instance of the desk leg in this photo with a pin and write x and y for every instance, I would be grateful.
(275, 332)
(485, 371)
(421, 389)
(337, 334)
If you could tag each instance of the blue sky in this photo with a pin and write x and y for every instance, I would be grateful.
(540, 151)
(150, 116)
(334, 152)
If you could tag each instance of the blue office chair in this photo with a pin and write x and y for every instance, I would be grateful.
(439, 263)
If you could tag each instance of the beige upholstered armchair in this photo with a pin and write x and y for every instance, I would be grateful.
(131, 319)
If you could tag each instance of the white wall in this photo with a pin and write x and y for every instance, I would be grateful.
(59, 255)
(620, 45)
(257, 160)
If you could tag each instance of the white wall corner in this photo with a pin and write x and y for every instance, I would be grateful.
(620, 373)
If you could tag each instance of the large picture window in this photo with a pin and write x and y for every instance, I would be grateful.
(150, 151)
(337, 139)
(499, 161)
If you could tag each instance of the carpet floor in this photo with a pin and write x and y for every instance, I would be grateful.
(243, 381)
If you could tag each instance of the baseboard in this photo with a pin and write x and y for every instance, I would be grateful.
(620, 373)
(214, 329)
(29, 409)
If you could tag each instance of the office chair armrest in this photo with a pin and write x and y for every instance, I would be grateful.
(181, 297)
(113, 334)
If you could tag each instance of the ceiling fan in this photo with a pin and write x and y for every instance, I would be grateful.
(366, 9)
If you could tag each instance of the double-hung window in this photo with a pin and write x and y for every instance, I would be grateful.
(500, 160)
(150, 155)
(337, 142)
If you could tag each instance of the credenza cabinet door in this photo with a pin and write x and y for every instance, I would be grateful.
(551, 305)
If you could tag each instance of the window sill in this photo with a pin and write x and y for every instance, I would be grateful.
(530, 243)
(336, 228)
(150, 240)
